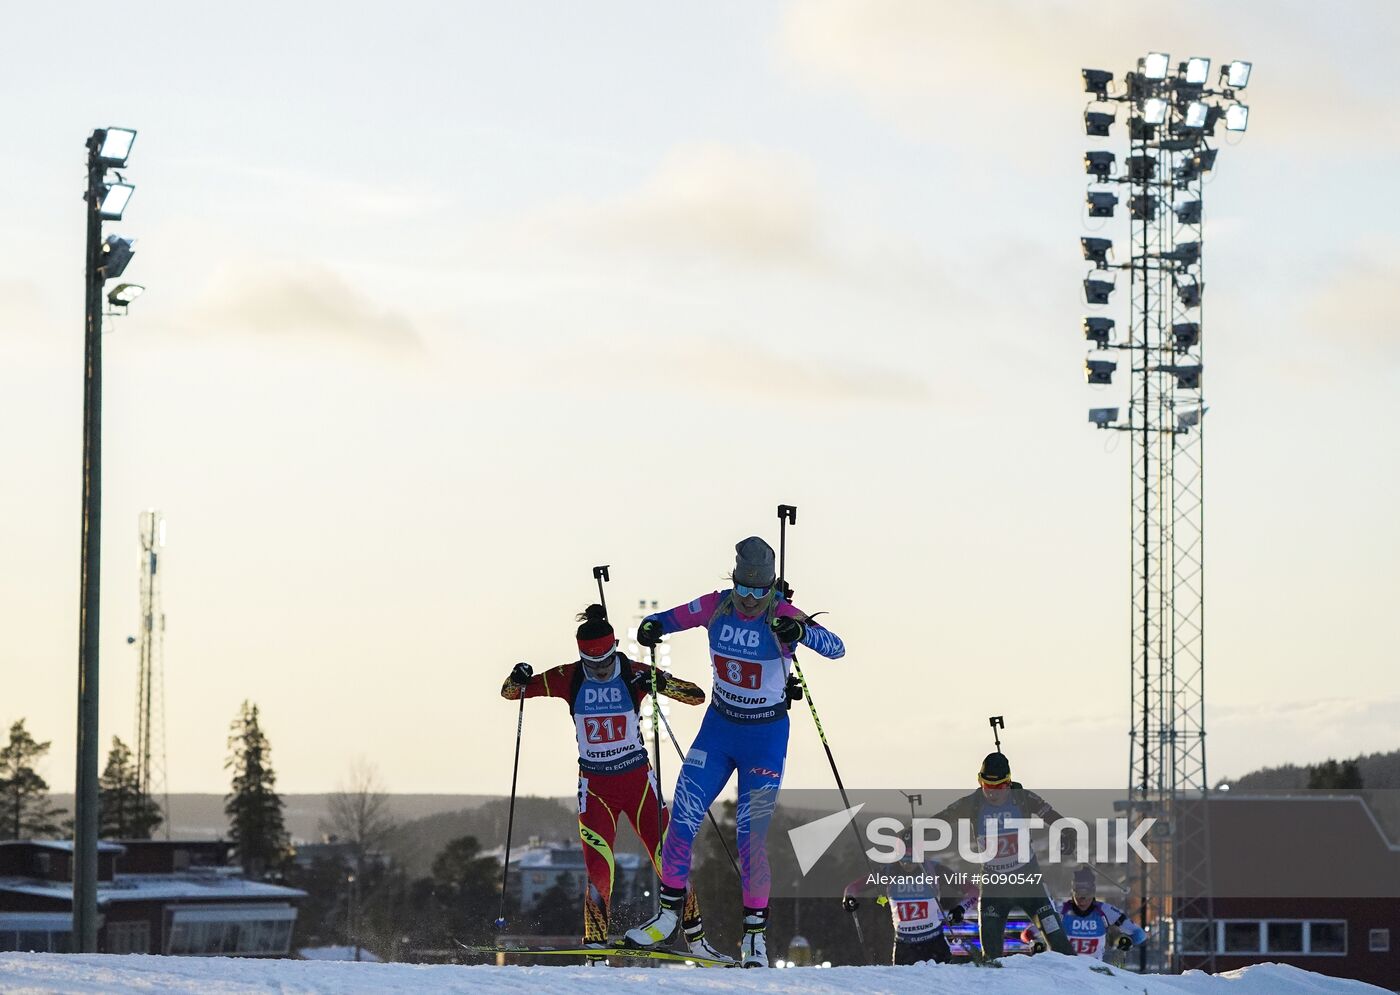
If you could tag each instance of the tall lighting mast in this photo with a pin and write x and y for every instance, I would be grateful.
(1172, 116)
(105, 199)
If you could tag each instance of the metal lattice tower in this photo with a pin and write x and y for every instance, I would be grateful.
(1172, 118)
(150, 691)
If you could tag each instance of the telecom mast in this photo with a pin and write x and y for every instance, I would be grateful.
(150, 691)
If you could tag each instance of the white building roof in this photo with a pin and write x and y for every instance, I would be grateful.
(158, 888)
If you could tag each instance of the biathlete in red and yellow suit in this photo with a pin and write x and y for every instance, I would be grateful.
(604, 690)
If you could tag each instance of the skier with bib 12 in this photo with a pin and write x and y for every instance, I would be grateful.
(604, 690)
(752, 632)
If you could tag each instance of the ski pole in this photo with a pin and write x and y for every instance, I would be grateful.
(788, 513)
(510, 819)
(656, 766)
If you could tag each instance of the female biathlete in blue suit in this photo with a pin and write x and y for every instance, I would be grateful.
(753, 632)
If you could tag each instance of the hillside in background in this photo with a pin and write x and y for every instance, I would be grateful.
(201, 816)
(1379, 771)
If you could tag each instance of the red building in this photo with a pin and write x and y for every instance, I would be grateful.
(153, 896)
(1310, 880)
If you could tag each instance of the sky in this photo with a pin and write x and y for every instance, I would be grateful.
(448, 303)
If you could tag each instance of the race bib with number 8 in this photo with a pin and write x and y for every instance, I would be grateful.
(740, 673)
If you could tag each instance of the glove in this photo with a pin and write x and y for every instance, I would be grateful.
(794, 688)
(520, 675)
(850, 903)
(788, 629)
(1124, 943)
(641, 678)
(956, 915)
(649, 633)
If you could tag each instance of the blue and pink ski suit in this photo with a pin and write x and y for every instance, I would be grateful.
(745, 729)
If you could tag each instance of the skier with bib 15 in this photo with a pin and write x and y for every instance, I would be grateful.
(752, 631)
(604, 690)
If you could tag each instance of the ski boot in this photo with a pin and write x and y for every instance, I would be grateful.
(661, 928)
(754, 946)
(595, 960)
(700, 947)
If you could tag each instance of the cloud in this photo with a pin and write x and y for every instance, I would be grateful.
(301, 303)
(715, 363)
(743, 205)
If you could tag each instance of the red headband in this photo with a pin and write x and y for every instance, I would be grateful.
(598, 646)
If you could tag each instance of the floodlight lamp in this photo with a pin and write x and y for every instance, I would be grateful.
(1096, 81)
(1197, 114)
(1155, 65)
(1139, 130)
(116, 253)
(1101, 203)
(1204, 160)
(1142, 167)
(1236, 117)
(1099, 164)
(1187, 377)
(1096, 250)
(1097, 123)
(1186, 334)
(1185, 253)
(114, 200)
(121, 296)
(1099, 371)
(1189, 293)
(1154, 110)
(1197, 71)
(1097, 291)
(1103, 417)
(116, 146)
(1188, 212)
(1143, 207)
(1187, 420)
(1237, 74)
(1098, 331)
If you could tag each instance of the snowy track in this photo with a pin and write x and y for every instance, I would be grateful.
(1048, 974)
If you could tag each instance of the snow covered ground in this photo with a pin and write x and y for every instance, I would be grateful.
(1047, 974)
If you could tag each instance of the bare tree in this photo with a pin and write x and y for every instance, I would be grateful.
(359, 816)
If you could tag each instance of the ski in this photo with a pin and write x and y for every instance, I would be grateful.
(638, 953)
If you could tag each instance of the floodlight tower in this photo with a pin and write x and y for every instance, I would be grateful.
(1172, 113)
(150, 690)
(105, 198)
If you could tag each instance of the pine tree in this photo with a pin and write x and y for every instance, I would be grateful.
(126, 813)
(254, 808)
(25, 811)
(1335, 776)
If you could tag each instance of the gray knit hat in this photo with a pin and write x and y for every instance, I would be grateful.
(753, 564)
